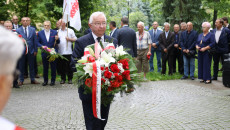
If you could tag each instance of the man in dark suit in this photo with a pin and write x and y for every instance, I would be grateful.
(155, 33)
(177, 55)
(97, 24)
(226, 24)
(166, 41)
(222, 36)
(127, 37)
(188, 45)
(113, 28)
(15, 23)
(29, 35)
(48, 37)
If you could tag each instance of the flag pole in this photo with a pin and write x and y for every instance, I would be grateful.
(61, 22)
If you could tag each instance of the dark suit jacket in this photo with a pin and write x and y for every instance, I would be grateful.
(127, 38)
(87, 31)
(167, 43)
(78, 52)
(222, 45)
(156, 39)
(188, 41)
(115, 34)
(18, 26)
(31, 39)
(33, 27)
(42, 41)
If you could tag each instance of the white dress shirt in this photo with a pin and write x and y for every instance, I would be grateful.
(63, 49)
(217, 34)
(47, 33)
(95, 38)
(15, 26)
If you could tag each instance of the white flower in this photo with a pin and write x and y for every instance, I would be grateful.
(120, 51)
(106, 59)
(107, 82)
(89, 69)
(120, 67)
(83, 59)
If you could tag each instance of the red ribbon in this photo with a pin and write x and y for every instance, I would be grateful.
(94, 89)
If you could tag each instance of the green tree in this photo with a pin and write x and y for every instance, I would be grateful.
(135, 17)
(3, 10)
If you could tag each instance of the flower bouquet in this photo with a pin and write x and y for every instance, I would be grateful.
(52, 54)
(103, 72)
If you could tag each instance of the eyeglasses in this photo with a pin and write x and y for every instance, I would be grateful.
(100, 24)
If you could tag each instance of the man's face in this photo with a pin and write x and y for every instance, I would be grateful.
(155, 25)
(98, 26)
(2, 22)
(5, 89)
(24, 22)
(183, 27)
(189, 26)
(140, 27)
(110, 27)
(176, 28)
(28, 21)
(15, 19)
(225, 23)
(218, 24)
(166, 28)
(8, 26)
(57, 24)
(47, 26)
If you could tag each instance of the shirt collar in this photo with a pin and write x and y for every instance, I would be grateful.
(154, 30)
(125, 25)
(24, 27)
(95, 37)
(220, 29)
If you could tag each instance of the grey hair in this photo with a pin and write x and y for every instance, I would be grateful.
(141, 23)
(95, 14)
(183, 23)
(47, 22)
(11, 49)
(166, 23)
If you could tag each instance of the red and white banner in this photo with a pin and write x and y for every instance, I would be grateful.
(7, 125)
(72, 13)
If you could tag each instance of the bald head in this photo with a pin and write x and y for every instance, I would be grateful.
(15, 19)
(189, 26)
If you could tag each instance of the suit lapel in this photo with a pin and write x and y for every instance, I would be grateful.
(30, 32)
(222, 33)
(23, 33)
(91, 40)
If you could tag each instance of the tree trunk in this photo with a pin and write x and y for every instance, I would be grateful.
(27, 8)
(214, 18)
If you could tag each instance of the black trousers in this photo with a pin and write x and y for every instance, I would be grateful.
(178, 56)
(66, 68)
(27, 65)
(167, 57)
(216, 59)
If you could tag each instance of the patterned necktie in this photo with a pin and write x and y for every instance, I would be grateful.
(98, 39)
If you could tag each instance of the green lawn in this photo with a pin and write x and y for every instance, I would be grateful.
(153, 76)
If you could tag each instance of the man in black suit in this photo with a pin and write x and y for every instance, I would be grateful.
(97, 23)
(113, 28)
(15, 23)
(127, 37)
(227, 25)
(166, 41)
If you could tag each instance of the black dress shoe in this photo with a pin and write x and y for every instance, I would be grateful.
(214, 78)
(62, 82)
(202, 81)
(52, 84)
(70, 82)
(44, 84)
(192, 78)
(184, 77)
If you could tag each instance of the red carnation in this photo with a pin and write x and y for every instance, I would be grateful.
(114, 68)
(115, 84)
(102, 68)
(91, 59)
(125, 63)
(110, 89)
(102, 81)
(107, 74)
(89, 82)
(126, 74)
(20, 35)
(118, 77)
(106, 68)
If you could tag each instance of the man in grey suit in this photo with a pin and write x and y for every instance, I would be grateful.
(29, 34)
(127, 37)
(113, 28)
(155, 33)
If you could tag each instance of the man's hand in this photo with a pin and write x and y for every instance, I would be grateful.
(35, 53)
(154, 45)
(184, 50)
(187, 51)
(176, 45)
(165, 50)
(56, 37)
(68, 39)
(197, 47)
(149, 53)
(203, 49)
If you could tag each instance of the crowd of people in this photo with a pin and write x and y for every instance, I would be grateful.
(180, 45)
